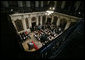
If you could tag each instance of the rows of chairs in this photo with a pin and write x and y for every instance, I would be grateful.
(47, 32)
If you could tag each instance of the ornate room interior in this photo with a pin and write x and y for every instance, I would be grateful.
(42, 29)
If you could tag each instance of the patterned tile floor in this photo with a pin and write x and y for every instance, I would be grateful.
(38, 43)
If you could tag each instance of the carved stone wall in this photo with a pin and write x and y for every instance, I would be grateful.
(39, 15)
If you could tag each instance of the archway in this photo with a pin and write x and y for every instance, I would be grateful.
(33, 21)
(39, 20)
(63, 23)
(55, 20)
(27, 23)
(43, 19)
(49, 20)
(19, 25)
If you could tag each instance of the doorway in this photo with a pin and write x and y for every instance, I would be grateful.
(49, 20)
(33, 24)
(55, 20)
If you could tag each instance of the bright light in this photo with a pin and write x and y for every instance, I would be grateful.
(50, 7)
(11, 9)
(49, 12)
(79, 12)
(46, 13)
(53, 8)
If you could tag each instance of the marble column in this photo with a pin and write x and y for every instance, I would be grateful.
(58, 22)
(40, 20)
(24, 24)
(46, 19)
(52, 19)
(67, 25)
(37, 22)
(30, 22)
(63, 4)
